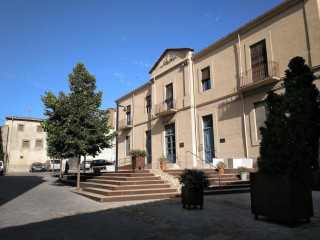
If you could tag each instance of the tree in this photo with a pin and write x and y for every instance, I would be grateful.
(290, 140)
(77, 119)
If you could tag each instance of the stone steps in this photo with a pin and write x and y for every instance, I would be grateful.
(126, 186)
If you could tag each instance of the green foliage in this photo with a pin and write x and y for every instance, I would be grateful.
(75, 124)
(242, 169)
(138, 153)
(290, 140)
(195, 179)
(162, 159)
(221, 164)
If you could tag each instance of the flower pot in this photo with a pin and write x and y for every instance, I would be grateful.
(243, 176)
(138, 163)
(281, 197)
(221, 170)
(191, 196)
(163, 165)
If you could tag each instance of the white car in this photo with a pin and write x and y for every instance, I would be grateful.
(88, 164)
(1, 168)
(52, 164)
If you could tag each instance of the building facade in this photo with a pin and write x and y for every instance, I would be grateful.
(24, 142)
(197, 107)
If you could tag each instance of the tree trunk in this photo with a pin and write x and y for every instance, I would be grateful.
(60, 174)
(78, 174)
(84, 163)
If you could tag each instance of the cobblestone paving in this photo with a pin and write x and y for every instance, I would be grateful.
(33, 206)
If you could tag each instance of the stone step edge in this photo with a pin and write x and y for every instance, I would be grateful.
(226, 191)
(105, 192)
(126, 186)
(101, 198)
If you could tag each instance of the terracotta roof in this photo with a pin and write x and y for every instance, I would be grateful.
(25, 118)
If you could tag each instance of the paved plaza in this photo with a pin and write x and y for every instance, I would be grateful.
(35, 206)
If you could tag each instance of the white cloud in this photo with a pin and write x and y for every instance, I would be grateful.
(143, 64)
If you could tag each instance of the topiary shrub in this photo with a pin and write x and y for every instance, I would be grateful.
(290, 140)
(194, 179)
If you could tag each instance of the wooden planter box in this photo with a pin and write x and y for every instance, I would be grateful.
(281, 197)
(138, 163)
(191, 197)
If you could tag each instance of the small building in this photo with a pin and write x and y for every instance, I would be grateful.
(24, 142)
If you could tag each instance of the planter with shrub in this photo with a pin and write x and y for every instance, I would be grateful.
(243, 173)
(163, 162)
(138, 158)
(221, 166)
(289, 149)
(193, 183)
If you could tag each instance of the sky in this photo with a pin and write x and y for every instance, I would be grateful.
(118, 41)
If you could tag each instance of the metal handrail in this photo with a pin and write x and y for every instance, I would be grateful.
(209, 164)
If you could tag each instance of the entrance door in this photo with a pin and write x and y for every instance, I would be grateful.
(170, 143)
(208, 138)
(148, 146)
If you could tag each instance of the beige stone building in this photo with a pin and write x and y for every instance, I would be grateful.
(211, 104)
(24, 142)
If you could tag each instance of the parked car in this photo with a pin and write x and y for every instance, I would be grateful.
(102, 162)
(1, 168)
(88, 163)
(36, 167)
(52, 164)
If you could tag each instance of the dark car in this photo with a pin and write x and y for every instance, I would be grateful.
(36, 167)
(100, 162)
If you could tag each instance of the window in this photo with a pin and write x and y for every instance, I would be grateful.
(259, 62)
(127, 145)
(25, 144)
(20, 127)
(261, 117)
(128, 115)
(148, 104)
(39, 144)
(39, 129)
(169, 96)
(206, 82)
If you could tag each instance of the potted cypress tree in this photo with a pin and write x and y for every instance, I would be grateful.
(193, 183)
(138, 158)
(289, 149)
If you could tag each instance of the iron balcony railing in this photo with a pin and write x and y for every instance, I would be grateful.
(166, 107)
(125, 124)
(261, 73)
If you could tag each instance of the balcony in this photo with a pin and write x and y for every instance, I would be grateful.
(258, 76)
(165, 108)
(125, 124)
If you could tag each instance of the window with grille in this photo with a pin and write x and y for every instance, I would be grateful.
(39, 129)
(206, 82)
(39, 143)
(148, 104)
(25, 144)
(20, 127)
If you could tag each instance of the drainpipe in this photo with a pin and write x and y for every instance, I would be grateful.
(244, 126)
(132, 122)
(117, 147)
(193, 114)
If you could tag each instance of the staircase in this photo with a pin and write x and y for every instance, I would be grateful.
(230, 182)
(126, 186)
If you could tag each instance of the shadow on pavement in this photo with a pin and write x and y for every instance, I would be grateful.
(16, 186)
